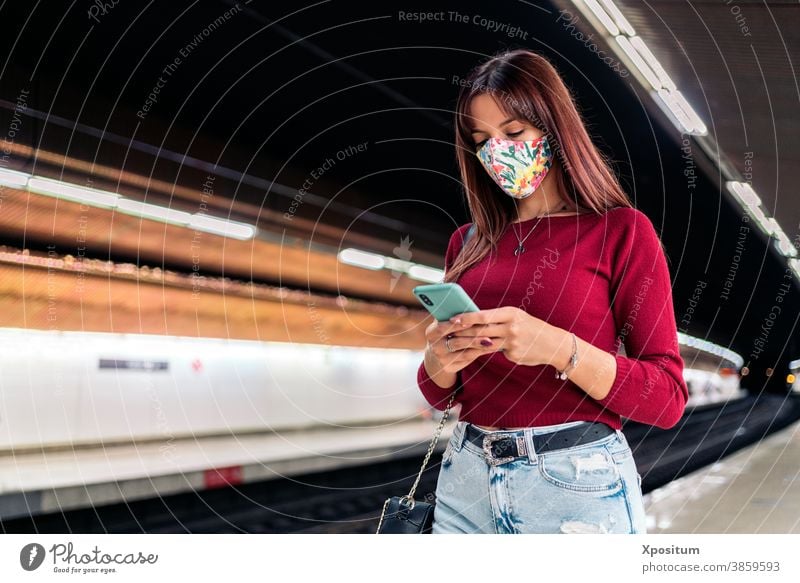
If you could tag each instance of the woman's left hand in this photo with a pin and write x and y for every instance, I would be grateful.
(523, 339)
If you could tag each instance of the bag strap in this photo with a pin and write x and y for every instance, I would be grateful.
(410, 496)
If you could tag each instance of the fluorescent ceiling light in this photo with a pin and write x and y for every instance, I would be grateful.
(620, 20)
(375, 261)
(396, 264)
(774, 227)
(642, 58)
(113, 201)
(222, 227)
(13, 178)
(641, 48)
(744, 193)
(748, 194)
(681, 113)
(670, 106)
(73, 192)
(795, 265)
(425, 273)
(785, 246)
(698, 124)
(782, 241)
(636, 58)
(748, 198)
(152, 211)
(362, 258)
(735, 189)
(602, 16)
(761, 219)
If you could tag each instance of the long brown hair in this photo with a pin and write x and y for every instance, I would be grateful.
(525, 85)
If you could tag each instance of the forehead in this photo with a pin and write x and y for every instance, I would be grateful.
(485, 112)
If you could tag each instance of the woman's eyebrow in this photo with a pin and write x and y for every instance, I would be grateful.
(475, 130)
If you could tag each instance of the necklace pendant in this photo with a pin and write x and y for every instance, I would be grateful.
(519, 249)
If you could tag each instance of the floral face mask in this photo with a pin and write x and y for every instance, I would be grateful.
(518, 167)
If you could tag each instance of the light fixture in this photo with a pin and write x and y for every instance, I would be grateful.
(697, 124)
(222, 227)
(744, 192)
(648, 73)
(650, 59)
(73, 192)
(794, 264)
(782, 241)
(602, 16)
(152, 211)
(395, 264)
(13, 178)
(619, 19)
(634, 49)
(425, 273)
(682, 113)
(375, 261)
(751, 203)
(670, 107)
(363, 259)
(113, 201)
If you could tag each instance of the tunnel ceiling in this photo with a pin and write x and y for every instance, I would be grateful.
(354, 102)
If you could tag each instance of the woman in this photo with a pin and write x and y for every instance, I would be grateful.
(564, 272)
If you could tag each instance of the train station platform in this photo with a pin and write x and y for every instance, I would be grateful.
(37, 482)
(755, 490)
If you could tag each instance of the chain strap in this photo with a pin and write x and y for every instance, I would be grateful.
(410, 496)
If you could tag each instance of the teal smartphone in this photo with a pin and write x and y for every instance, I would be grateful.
(445, 300)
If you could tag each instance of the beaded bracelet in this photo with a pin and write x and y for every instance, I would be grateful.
(573, 360)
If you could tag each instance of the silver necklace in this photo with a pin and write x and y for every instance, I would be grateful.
(521, 248)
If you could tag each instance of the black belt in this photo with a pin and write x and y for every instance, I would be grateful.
(501, 447)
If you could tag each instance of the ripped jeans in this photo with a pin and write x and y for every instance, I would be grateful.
(589, 488)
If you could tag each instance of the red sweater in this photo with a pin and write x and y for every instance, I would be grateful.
(603, 277)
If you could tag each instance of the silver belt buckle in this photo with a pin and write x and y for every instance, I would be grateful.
(490, 438)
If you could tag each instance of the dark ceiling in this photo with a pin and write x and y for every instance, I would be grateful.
(735, 63)
(276, 89)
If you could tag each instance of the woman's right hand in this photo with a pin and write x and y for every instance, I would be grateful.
(465, 349)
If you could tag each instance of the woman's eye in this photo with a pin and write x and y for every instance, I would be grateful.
(480, 144)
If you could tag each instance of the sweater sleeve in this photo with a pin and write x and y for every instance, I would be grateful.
(433, 393)
(649, 386)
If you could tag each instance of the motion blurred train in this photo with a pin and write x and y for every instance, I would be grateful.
(70, 388)
(73, 388)
(712, 386)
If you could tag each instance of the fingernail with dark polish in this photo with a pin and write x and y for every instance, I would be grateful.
(486, 342)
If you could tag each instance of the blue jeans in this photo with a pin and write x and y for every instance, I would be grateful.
(589, 488)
